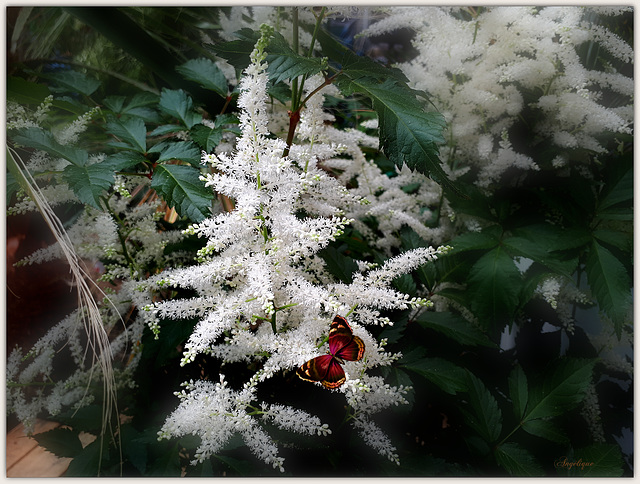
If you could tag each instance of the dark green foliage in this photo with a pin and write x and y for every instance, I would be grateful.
(71, 81)
(181, 187)
(89, 183)
(62, 442)
(478, 407)
(43, 140)
(206, 73)
(178, 104)
(455, 327)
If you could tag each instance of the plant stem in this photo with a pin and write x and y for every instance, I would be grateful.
(294, 46)
(121, 238)
(509, 435)
(327, 81)
(140, 85)
(297, 90)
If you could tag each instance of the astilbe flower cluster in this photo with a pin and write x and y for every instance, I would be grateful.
(498, 72)
(486, 69)
(42, 378)
(264, 294)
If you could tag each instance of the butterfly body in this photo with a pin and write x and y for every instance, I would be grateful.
(343, 346)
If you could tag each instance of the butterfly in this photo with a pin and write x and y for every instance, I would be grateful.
(343, 346)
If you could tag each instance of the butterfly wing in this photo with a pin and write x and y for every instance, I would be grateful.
(324, 369)
(352, 351)
(315, 369)
(335, 375)
(342, 342)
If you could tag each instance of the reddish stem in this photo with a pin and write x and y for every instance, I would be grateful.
(294, 119)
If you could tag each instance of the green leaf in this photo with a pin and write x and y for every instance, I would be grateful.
(610, 284)
(89, 182)
(69, 104)
(411, 240)
(181, 188)
(133, 447)
(178, 150)
(207, 138)
(178, 104)
(226, 119)
(486, 239)
(43, 140)
(621, 191)
(494, 283)
(598, 460)
(25, 92)
(60, 441)
(620, 240)
(405, 284)
(541, 242)
(517, 461)
(475, 203)
(617, 213)
(124, 160)
(545, 429)
(167, 464)
(285, 64)
(237, 52)
(518, 391)
(561, 391)
(338, 264)
(130, 130)
(141, 106)
(72, 81)
(357, 66)
(114, 103)
(408, 134)
(142, 99)
(206, 73)
(455, 327)
(484, 415)
(552, 237)
(87, 418)
(166, 129)
(138, 104)
(280, 92)
(87, 462)
(449, 377)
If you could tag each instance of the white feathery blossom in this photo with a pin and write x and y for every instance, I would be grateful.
(25, 373)
(288, 418)
(376, 438)
(262, 292)
(484, 68)
(549, 289)
(18, 117)
(69, 134)
(215, 413)
(95, 238)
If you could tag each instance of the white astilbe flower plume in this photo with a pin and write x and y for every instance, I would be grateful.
(486, 68)
(215, 413)
(99, 267)
(88, 314)
(262, 293)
